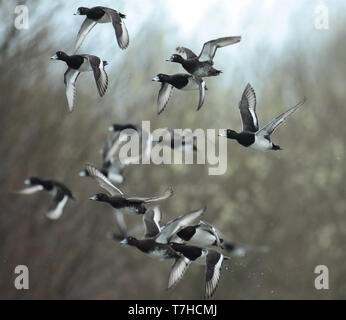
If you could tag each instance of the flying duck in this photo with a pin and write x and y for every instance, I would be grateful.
(175, 140)
(156, 238)
(251, 136)
(202, 65)
(59, 192)
(117, 199)
(111, 167)
(210, 258)
(82, 63)
(102, 15)
(181, 81)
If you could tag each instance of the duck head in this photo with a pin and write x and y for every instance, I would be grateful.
(59, 55)
(176, 58)
(130, 241)
(228, 133)
(100, 197)
(81, 11)
(33, 181)
(160, 77)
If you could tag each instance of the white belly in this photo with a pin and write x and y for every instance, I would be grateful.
(104, 19)
(261, 144)
(85, 67)
(191, 85)
(202, 239)
(158, 254)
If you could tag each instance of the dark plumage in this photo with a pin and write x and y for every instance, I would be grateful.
(251, 136)
(210, 258)
(82, 63)
(179, 81)
(102, 15)
(202, 65)
(117, 199)
(59, 192)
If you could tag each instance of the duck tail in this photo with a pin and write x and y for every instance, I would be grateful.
(275, 147)
(122, 16)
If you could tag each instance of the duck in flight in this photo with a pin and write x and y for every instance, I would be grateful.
(102, 15)
(251, 136)
(59, 192)
(111, 167)
(82, 63)
(181, 81)
(117, 199)
(202, 65)
(210, 258)
(156, 238)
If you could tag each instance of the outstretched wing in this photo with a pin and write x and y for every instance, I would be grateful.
(247, 108)
(100, 74)
(270, 127)
(102, 181)
(213, 271)
(165, 94)
(30, 190)
(175, 225)
(85, 28)
(210, 47)
(70, 78)
(151, 220)
(167, 194)
(201, 86)
(178, 270)
(188, 53)
(57, 206)
(119, 27)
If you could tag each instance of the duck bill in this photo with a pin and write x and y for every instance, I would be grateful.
(223, 134)
(93, 198)
(124, 242)
(27, 181)
(111, 128)
(55, 57)
(77, 13)
(82, 173)
(155, 79)
(170, 59)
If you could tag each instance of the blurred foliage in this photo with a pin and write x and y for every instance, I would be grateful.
(293, 200)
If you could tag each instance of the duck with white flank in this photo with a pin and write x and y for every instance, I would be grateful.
(156, 238)
(202, 66)
(82, 63)
(102, 15)
(59, 192)
(251, 136)
(181, 81)
(117, 199)
(210, 258)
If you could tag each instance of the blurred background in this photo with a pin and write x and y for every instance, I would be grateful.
(292, 201)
